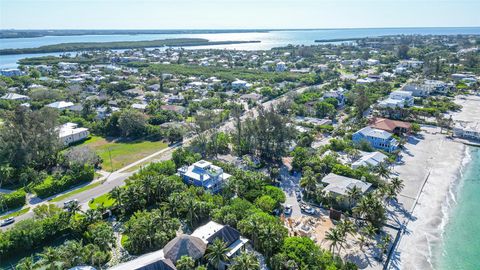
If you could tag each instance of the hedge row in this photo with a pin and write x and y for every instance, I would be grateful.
(12, 200)
(53, 185)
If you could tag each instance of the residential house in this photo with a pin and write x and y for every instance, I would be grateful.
(230, 236)
(419, 90)
(397, 99)
(240, 84)
(372, 159)
(338, 185)
(377, 138)
(280, 67)
(10, 72)
(61, 105)
(392, 126)
(70, 132)
(337, 94)
(204, 174)
(173, 108)
(14, 96)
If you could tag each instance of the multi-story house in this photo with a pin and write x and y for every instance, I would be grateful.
(204, 174)
(377, 138)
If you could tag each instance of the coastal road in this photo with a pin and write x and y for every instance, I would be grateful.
(117, 178)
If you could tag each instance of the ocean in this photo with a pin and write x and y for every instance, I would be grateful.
(459, 248)
(268, 40)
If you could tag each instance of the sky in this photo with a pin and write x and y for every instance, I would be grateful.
(236, 14)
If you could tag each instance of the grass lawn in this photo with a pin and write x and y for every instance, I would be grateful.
(122, 153)
(16, 213)
(76, 191)
(105, 199)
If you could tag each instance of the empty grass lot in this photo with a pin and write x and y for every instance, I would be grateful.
(120, 152)
(104, 199)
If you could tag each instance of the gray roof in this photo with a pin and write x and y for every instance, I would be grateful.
(341, 185)
(376, 133)
(184, 245)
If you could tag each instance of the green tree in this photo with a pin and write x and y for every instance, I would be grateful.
(132, 123)
(185, 263)
(246, 260)
(217, 253)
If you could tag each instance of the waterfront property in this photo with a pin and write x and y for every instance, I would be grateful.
(70, 133)
(377, 138)
(338, 185)
(370, 159)
(467, 130)
(392, 126)
(204, 174)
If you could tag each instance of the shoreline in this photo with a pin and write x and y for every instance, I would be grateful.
(425, 218)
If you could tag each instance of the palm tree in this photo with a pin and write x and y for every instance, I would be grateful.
(116, 194)
(27, 263)
(361, 241)
(383, 171)
(346, 227)
(246, 260)
(217, 253)
(185, 263)
(354, 194)
(336, 238)
(308, 181)
(369, 230)
(48, 258)
(397, 185)
(192, 213)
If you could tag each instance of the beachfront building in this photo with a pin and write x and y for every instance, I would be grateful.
(204, 174)
(467, 130)
(372, 159)
(70, 132)
(377, 138)
(397, 99)
(392, 126)
(339, 186)
(230, 236)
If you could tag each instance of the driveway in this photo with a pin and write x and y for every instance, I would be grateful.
(288, 184)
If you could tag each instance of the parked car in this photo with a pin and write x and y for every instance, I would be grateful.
(69, 202)
(288, 210)
(7, 221)
(307, 209)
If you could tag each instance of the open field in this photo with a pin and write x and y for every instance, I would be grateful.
(117, 154)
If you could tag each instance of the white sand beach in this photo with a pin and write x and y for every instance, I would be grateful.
(434, 162)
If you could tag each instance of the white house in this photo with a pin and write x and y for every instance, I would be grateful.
(397, 99)
(61, 105)
(204, 174)
(240, 84)
(230, 236)
(338, 185)
(70, 133)
(419, 90)
(14, 96)
(370, 159)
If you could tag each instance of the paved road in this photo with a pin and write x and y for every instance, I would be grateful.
(118, 177)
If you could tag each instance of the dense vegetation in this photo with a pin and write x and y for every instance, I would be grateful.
(116, 45)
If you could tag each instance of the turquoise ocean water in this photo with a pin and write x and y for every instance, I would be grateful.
(460, 248)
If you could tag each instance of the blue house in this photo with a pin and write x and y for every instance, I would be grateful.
(204, 174)
(377, 138)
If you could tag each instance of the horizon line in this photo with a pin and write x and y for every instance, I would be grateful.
(228, 29)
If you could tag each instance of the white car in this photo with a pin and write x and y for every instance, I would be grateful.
(69, 202)
(7, 221)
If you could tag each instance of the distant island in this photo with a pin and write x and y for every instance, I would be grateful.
(42, 33)
(117, 45)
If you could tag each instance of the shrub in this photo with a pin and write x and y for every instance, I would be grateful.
(53, 185)
(13, 200)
